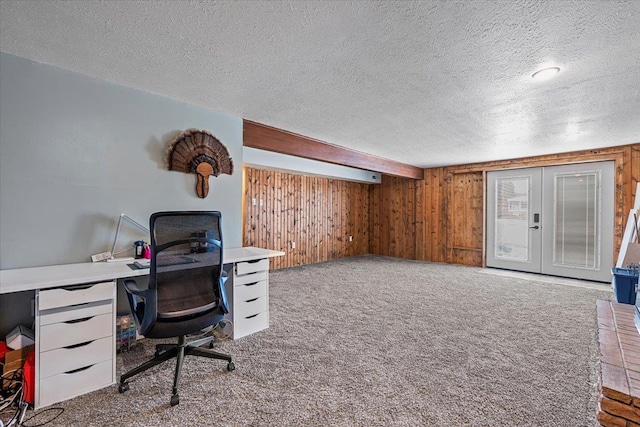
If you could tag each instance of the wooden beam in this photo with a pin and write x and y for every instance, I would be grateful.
(263, 137)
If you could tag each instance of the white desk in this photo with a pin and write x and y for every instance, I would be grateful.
(53, 276)
(75, 311)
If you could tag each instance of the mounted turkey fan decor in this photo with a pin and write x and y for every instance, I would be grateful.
(198, 151)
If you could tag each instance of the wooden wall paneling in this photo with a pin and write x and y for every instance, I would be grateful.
(360, 222)
(449, 197)
(281, 200)
(258, 223)
(345, 218)
(299, 220)
(246, 234)
(345, 227)
(635, 171)
(353, 228)
(366, 218)
(583, 156)
(390, 217)
(310, 241)
(336, 229)
(466, 218)
(304, 220)
(399, 217)
(622, 179)
(277, 220)
(333, 243)
(408, 214)
(289, 214)
(428, 215)
(274, 226)
(419, 219)
(322, 220)
(439, 217)
(270, 219)
(374, 216)
(393, 217)
(400, 200)
(328, 230)
(385, 207)
(326, 218)
(361, 231)
(359, 235)
(319, 231)
(423, 213)
(260, 207)
(318, 214)
(247, 212)
(444, 231)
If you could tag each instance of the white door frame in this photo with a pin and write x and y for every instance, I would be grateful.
(544, 235)
(524, 254)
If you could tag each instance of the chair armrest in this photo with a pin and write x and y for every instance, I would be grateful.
(131, 286)
(142, 303)
(223, 302)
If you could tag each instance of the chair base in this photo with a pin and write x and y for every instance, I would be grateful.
(166, 352)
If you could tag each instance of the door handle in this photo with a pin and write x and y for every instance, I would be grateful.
(535, 227)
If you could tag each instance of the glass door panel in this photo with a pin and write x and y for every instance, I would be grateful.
(511, 235)
(576, 231)
(578, 226)
(513, 207)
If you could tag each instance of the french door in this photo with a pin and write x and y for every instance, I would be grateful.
(554, 220)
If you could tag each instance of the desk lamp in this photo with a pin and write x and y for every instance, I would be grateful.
(115, 239)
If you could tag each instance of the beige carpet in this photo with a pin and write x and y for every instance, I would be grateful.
(375, 341)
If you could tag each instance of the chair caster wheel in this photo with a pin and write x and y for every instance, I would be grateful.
(231, 367)
(175, 399)
(122, 387)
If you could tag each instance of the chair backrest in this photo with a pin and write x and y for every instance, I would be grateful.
(186, 264)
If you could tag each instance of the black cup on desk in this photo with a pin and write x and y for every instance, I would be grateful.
(138, 245)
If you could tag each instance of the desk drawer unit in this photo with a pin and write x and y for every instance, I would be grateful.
(67, 359)
(75, 341)
(66, 334)
(66, 385)
(250, 297)
(73, 295)
(252, 266)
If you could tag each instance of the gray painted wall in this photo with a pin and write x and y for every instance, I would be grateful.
(75, 152)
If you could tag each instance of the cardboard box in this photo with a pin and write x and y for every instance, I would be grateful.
(20, 337)
(15, 360)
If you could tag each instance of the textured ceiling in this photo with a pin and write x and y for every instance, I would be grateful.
(426, 83)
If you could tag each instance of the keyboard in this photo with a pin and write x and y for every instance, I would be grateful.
(143, 264)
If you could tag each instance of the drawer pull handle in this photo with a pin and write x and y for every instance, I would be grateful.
(78, 370)
(82, 344)
(84, 319)
(252, 316)
(79, 287)
(253, 261)
(252, 300)
(251, 284)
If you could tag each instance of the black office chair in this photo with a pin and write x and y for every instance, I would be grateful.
(186, 289)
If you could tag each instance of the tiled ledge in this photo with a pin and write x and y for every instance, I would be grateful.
(619, 366)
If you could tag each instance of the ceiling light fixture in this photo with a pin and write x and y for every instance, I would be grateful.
(546, 73)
